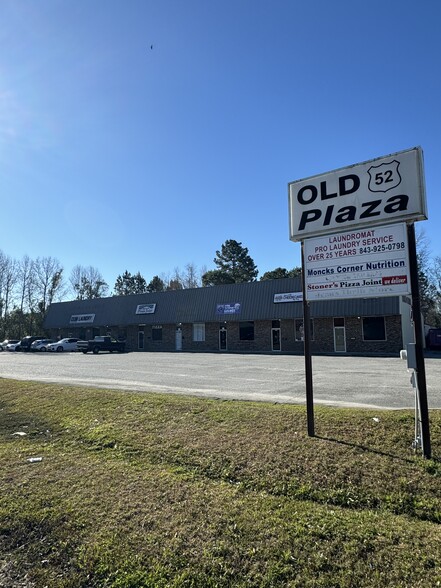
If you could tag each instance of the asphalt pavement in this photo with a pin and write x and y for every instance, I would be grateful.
(375, 382)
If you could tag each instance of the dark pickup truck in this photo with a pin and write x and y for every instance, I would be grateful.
(98, 344)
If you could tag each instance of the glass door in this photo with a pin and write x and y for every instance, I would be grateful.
(223, 339)
(276, 340)
(339, 339)
(178, 339)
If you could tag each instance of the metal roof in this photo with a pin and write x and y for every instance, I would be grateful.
(255, 300)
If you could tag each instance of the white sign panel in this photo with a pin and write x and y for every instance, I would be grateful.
(81, 319)
(377, 192)
(359, 264)
(146, 308)
(288, 297)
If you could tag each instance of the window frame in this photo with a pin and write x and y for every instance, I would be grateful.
(198, 332)
(157, 329)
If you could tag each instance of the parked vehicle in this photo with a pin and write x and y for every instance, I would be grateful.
(41, 344)
(26, 342)
(6, 342)
(433, 339)
(13, 346)
(105, 343)
(67, 344)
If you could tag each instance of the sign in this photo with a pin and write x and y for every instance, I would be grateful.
(288, 297)
(145, 308)
(228, 308)
(81, 319)
(377, 192)
(359, 264)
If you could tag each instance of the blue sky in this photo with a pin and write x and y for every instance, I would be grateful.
(122, 156)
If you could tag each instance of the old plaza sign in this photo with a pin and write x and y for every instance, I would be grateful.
(380, 191)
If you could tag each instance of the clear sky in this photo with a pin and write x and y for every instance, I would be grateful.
(141, 134)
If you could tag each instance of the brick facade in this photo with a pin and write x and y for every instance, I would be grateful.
(257, 317)
(322, 342)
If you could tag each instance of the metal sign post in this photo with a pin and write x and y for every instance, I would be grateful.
(307, 353)
(419, 351)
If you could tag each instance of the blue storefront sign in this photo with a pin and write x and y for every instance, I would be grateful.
(230, 308)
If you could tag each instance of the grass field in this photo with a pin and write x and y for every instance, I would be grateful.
(148, 490)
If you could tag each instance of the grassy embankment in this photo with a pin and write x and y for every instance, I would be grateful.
(145, 490)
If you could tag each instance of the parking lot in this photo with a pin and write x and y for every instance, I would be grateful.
(338, 380)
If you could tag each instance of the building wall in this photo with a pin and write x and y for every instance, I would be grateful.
(322, 341)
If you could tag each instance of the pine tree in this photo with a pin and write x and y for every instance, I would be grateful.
(234, 266)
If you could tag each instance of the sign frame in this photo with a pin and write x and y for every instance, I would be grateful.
(146, 308)
(82, 319)
(366, 263)
(379, 191)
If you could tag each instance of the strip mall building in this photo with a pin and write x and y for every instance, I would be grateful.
(257, 317)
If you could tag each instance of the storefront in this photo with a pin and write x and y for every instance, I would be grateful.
(256, 317)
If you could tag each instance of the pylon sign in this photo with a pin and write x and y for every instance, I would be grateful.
(380, 191)
(359, 259)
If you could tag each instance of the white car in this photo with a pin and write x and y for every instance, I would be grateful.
(67, 344)
(41, 344)
(13, 346)
(6, 342)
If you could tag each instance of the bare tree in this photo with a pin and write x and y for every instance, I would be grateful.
(3, 265)
(8, 279)
(25, 291)
(25, 271)
(175, 282)
(48, 281)
(87, 283)
(191, 279)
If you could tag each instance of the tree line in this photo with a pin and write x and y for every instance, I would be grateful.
(29, 286)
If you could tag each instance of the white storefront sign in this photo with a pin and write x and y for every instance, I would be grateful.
(81, 319)
(146, 308)
(288, 297)
(361, 263)
(377, 192)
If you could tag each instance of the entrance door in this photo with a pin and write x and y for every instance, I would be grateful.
(276, 340)
(223, 339)
(178, 340)
(339, 339)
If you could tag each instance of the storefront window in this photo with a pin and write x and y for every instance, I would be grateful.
(246, 331)
(157, 333)
(199, 332)
(300, 334)
(374, 328)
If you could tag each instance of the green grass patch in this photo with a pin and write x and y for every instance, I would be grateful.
(148, 490)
